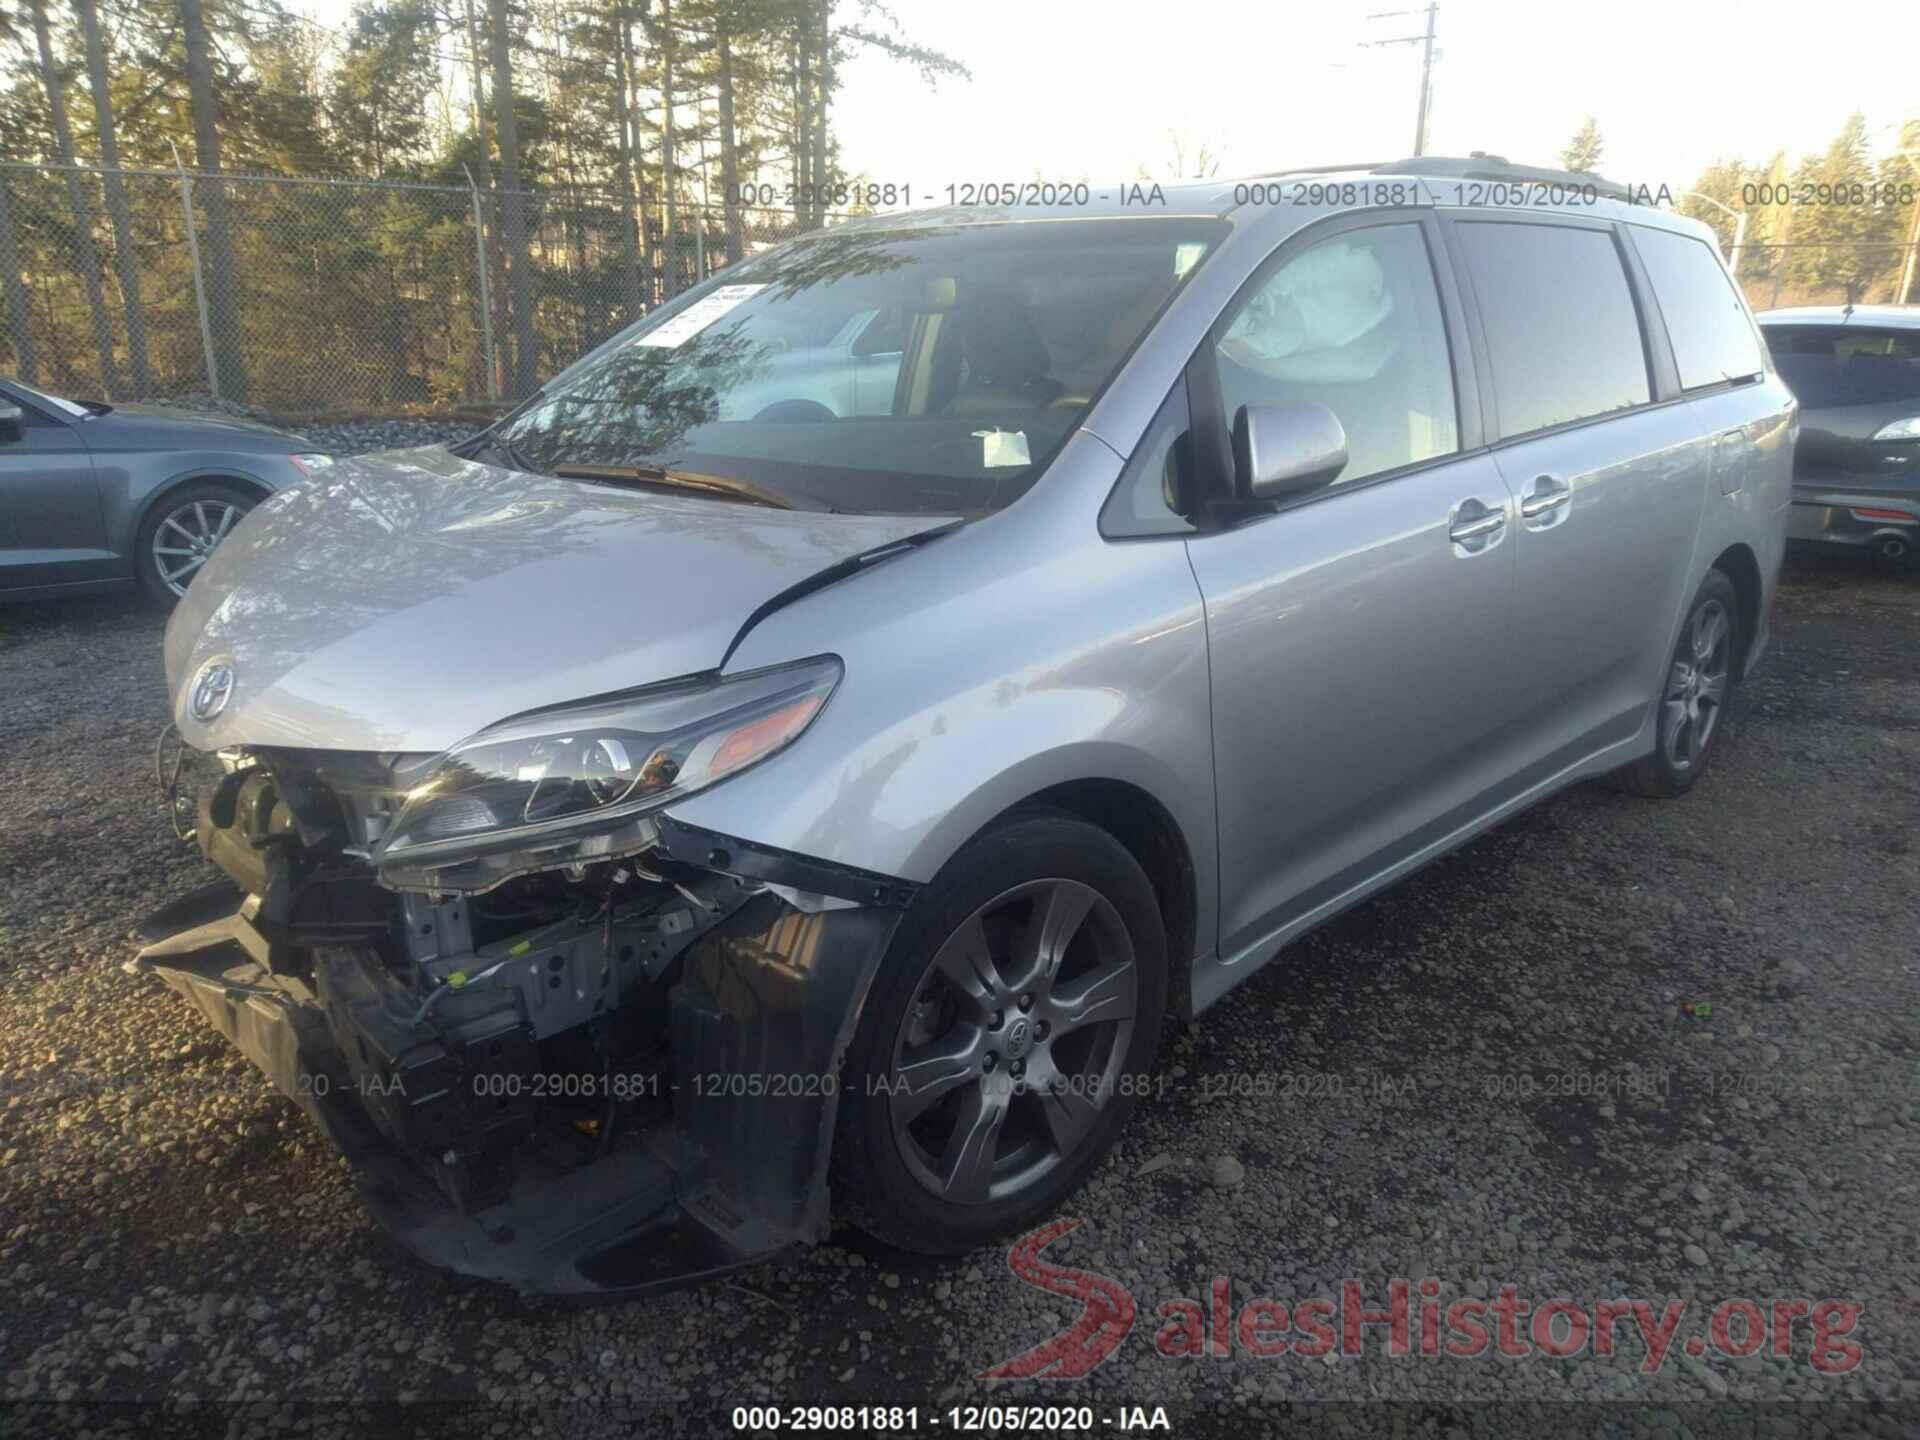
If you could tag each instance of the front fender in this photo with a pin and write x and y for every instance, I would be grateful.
(128, 492)
(1010, 656)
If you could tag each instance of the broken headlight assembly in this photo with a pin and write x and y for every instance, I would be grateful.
(577, 769)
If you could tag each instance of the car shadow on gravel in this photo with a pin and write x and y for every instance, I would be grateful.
(23, 621)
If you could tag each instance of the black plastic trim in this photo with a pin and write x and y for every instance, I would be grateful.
(710, 850)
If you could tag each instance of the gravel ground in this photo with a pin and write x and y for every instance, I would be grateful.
(358, 436)
(1617, 1048)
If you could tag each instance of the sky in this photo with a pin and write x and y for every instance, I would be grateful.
(1062, 89)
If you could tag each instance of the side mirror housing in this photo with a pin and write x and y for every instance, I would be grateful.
(10, 418)
(1282, 450)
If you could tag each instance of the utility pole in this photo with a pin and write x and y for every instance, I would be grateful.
(1426, 84)
(1905, 292)
(1425, 42)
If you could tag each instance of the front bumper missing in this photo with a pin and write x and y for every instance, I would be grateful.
(759, 1021)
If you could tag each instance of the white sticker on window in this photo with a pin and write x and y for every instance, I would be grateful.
(1420, 435)
(1186, 255)
(699, 315)
(1003, 447)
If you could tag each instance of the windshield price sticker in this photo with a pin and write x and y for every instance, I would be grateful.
(699, 315)
(1002, 447)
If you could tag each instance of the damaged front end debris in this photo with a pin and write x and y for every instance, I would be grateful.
(591, 1063)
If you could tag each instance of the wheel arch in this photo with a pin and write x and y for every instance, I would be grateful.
(1738, 563)
(202, 475)
(1147, 830)
(154, 502)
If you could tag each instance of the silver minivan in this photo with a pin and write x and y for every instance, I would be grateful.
(659, 825)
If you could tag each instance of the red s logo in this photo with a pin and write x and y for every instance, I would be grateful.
(1108, 1313)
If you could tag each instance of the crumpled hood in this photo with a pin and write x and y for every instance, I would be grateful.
(404, 601)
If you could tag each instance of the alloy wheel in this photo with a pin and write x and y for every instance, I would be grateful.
(1696, 685)
(187, 535)
(1014, 1043)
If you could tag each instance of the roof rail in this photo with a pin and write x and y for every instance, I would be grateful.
(1482, 166)
(1361, 165)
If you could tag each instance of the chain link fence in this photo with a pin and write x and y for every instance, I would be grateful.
(307, 297)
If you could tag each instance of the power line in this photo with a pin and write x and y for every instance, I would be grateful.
(1426, 66)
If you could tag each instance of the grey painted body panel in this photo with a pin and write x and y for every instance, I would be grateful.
(1318, 658)
(1321, 699)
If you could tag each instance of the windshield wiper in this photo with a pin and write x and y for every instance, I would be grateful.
(474, 446)
(718, 486)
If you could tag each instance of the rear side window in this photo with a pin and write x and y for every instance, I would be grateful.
(1827, 367)
(1562, 334)
(1712, 340)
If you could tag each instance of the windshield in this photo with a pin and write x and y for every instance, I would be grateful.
(52, 402)
(930, 371)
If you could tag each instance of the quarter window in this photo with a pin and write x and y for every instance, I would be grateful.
(1151, 497)
(1706, 323)
(1563, 338)
(1354, 323)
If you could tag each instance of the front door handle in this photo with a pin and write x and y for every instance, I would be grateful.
(1545, 500)
(1475, 526)
(1465, 530)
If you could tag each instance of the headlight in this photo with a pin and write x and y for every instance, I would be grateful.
(596, 766)
(1899, 430)
(311, 464)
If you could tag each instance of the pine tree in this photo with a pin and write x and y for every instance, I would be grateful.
(1584, 150)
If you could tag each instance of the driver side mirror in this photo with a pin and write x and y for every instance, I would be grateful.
(1283, 450)
(10, 418)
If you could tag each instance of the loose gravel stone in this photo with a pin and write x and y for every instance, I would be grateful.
(1225, 1172)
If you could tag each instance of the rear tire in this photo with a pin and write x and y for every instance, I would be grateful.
(1009, 1032)
(181, 531)
(1694, 693)
(1896, 553)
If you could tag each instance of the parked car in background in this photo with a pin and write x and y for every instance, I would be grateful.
(98, 497)
(643, 824)
(852, 372)
(1856, 474)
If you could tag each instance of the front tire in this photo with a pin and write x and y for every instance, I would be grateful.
(1006, 1038)
(181, 532)
(1693, 695)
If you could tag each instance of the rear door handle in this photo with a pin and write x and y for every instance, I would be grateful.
(1544, 500)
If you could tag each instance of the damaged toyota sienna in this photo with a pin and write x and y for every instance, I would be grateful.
(799, 763)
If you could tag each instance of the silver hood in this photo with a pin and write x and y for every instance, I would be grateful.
(404, 601)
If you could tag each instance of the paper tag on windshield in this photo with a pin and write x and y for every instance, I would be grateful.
(1003, 447)
(699, 315)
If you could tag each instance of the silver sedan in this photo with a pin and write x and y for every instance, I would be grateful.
(98, 497)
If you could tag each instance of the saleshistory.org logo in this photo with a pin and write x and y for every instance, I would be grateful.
(1463, 1329)
(212, 688)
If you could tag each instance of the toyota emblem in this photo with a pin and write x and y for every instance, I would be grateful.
(212, 688)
